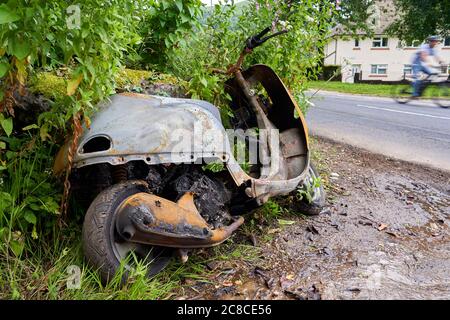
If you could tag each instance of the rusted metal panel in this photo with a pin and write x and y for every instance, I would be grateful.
(290, 155)
(282, 114)
(149, 219)
(160, 130)
(155, 130)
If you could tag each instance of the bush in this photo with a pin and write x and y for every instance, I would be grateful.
(332, 72)
(39, 35)
(222, 36)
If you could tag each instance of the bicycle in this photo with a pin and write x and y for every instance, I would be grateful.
(440, 90)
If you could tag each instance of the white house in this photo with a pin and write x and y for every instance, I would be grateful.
(381, 57)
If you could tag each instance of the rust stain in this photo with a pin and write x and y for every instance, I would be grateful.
(167, 223)
(168, 212)
(60, 163)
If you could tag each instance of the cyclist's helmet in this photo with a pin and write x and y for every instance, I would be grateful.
(433, 38)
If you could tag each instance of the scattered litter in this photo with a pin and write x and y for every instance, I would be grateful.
(227, 283)
(285, 222)
(392, 234)
(353, 289)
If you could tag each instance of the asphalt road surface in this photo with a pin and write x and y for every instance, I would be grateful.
(416, 132)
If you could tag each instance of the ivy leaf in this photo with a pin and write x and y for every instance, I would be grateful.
(179, 5)
(16, 247)
(6, 15)
(204, 82)
(6, 198)
(20, 49)
(30, 217)
(73, 84)
(7, 125)
(4, 67)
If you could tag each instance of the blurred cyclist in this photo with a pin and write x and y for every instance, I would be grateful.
(420, 62)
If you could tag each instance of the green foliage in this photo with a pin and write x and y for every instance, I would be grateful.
(220, 41)
(418, 19)
(92, 48)
(214, 167)
(307, 191)
(164, 26)
(353, 16)
(41, 35)
(30, 201)
(272, 209)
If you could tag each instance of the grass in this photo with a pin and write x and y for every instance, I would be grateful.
(43, 271)
(43, 268)
(379, 90)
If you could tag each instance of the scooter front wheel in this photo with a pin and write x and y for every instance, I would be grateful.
(104, 249)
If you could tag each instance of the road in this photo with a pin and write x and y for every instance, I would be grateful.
(417, 132)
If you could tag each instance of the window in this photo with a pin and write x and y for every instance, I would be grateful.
(380, 42)
(412, 44)
(356, 43)
(445, 69)
(407, 69)
(379, 69)
(447, 42)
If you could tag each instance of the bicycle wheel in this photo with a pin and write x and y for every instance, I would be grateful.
(442, 96)
(401, 93)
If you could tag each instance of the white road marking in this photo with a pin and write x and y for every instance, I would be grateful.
(405, 112)
(387, 121)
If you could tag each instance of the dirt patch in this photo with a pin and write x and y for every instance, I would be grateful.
(384, 235)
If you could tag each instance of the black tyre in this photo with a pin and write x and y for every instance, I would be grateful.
(442, 95)
(401, 93)
(313, 204)
(103, 248)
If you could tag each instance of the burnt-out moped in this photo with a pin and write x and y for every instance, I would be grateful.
(141, 168)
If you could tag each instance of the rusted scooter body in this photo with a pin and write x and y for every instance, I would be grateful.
(152, 197)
